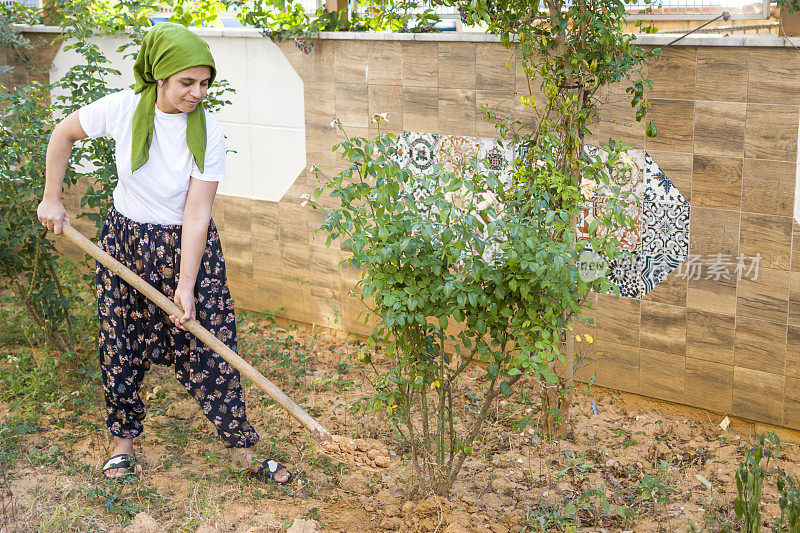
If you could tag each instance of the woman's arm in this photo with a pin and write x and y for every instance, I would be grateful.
(51, 210)
(196, 215)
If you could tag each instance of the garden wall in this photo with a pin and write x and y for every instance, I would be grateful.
(720, 331)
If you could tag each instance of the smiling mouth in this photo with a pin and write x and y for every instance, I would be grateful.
(193, 104)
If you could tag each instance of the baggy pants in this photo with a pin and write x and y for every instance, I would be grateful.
(134, 332)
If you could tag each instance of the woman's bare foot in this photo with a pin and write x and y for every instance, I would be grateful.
(245, 458)
(120, 446)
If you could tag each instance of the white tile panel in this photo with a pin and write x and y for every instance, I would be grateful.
(278, 158)
(275, 89)
(239, 170)
(230, 57)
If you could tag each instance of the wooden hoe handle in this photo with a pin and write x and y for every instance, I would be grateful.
(209, 339)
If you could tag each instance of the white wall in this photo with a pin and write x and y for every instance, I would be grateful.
(264, 125)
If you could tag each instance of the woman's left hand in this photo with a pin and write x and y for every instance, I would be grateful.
(184, 297)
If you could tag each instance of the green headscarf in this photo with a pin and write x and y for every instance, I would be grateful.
(166, 49)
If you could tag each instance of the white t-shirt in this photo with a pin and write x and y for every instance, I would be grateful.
(156, 192)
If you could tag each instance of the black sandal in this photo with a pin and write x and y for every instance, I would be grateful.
(267, 471)
(123, 460)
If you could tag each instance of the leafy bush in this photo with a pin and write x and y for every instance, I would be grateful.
(462, 268)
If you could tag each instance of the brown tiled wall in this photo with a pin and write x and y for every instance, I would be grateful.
(728, 122)
(36, 66)
(728, 127)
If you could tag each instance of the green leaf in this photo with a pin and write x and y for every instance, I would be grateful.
(505, 390)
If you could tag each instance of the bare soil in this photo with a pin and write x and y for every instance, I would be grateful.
(646, 460)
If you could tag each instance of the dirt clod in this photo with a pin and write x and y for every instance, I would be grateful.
(143, 523)
(391, 523)
(303, 526)
(429, 506)
(364, 453)
(455, 527)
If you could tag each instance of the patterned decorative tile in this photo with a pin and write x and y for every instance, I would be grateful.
(658, 188)
(656, 267)
(521, 150)
(659, 241)
(676, 242)
(626, 273)
(677, 216)
(585, 218)
(626, 173)
(455, 151)
(418, 152)
(653, 213)
(654, 240)
(629, 239)
(500, 158)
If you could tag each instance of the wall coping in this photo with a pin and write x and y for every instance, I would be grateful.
(645, 39)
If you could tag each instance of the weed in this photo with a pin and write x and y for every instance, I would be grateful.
(111, 494)
(546, 517)
(789, 503)
(203, 509)
(334, 381)
(176, 439)
(312, 514)
(329, 467)
(10, 431)
(750, 479)
(578, 465)
(655, 488)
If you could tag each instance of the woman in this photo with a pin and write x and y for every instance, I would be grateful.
(170, 156)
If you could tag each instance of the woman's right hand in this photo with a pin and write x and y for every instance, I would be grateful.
(52, 215)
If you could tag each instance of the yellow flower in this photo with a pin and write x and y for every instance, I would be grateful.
(578, 338)
(436, 384)
(589, 338)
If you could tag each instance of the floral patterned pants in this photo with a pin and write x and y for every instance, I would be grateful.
(134, 332)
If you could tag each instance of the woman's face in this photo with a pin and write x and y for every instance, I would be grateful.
(183, 91)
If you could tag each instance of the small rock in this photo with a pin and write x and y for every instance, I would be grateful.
(390, 523)
(455, 527)
(496, 501)
(392, 510)
(143, 523)
(504, 485)
(498, 528)
(356, 483)
(682, 431)
(459, 517)
(428, 506)
(382, 461)
(387, 498)
(408, 508)
(303, 526)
